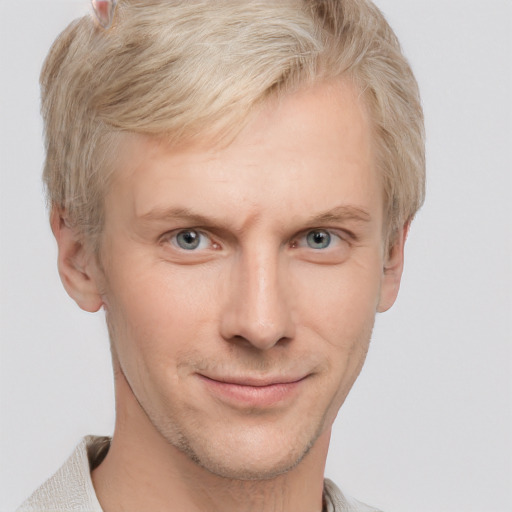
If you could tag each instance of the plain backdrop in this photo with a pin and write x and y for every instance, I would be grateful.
(428, 426)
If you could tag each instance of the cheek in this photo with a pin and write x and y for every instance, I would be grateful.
(340, 301)
(156, 313)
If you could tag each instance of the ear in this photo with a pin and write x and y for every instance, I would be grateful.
(392, 271)
(78, 269)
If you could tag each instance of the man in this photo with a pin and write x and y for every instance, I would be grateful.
(232, 182)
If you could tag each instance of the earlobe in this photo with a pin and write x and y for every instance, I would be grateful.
(77, 266)
(392, 271)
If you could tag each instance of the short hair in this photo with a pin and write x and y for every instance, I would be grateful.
(180, 70)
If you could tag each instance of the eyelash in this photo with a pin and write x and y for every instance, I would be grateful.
(172, 238)
(295, 243)
(333, 237)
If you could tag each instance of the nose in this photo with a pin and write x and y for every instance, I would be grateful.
(258, 310)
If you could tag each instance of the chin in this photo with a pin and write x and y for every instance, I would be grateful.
(246, 474)
(248, 457)
(253, 469)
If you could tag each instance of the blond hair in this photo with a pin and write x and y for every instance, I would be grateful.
(183, 69)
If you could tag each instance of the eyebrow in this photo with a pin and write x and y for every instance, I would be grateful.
(336, 214)
(175, 213)
(342, 213)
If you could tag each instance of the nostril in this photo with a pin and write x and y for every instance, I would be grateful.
(260, 345)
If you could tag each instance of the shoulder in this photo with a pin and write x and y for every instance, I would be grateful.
(337, 501)
(70, 489)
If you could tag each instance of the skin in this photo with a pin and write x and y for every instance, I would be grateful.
(232, 359)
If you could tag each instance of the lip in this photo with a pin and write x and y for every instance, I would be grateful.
(252, 391)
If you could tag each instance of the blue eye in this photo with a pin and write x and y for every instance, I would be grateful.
(188, 239)
(318, 239)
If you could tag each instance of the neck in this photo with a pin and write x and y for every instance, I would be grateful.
(142, 471)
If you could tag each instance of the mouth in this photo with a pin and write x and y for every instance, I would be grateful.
(253, 392)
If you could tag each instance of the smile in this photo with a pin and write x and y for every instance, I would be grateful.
(253, 392)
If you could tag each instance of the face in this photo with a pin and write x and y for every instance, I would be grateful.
(241, 283)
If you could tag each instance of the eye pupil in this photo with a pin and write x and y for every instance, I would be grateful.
(188, 240)
(318, 239)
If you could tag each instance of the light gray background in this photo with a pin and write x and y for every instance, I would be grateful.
(428, 426)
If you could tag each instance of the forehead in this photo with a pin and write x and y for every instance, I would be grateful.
(314, 146)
